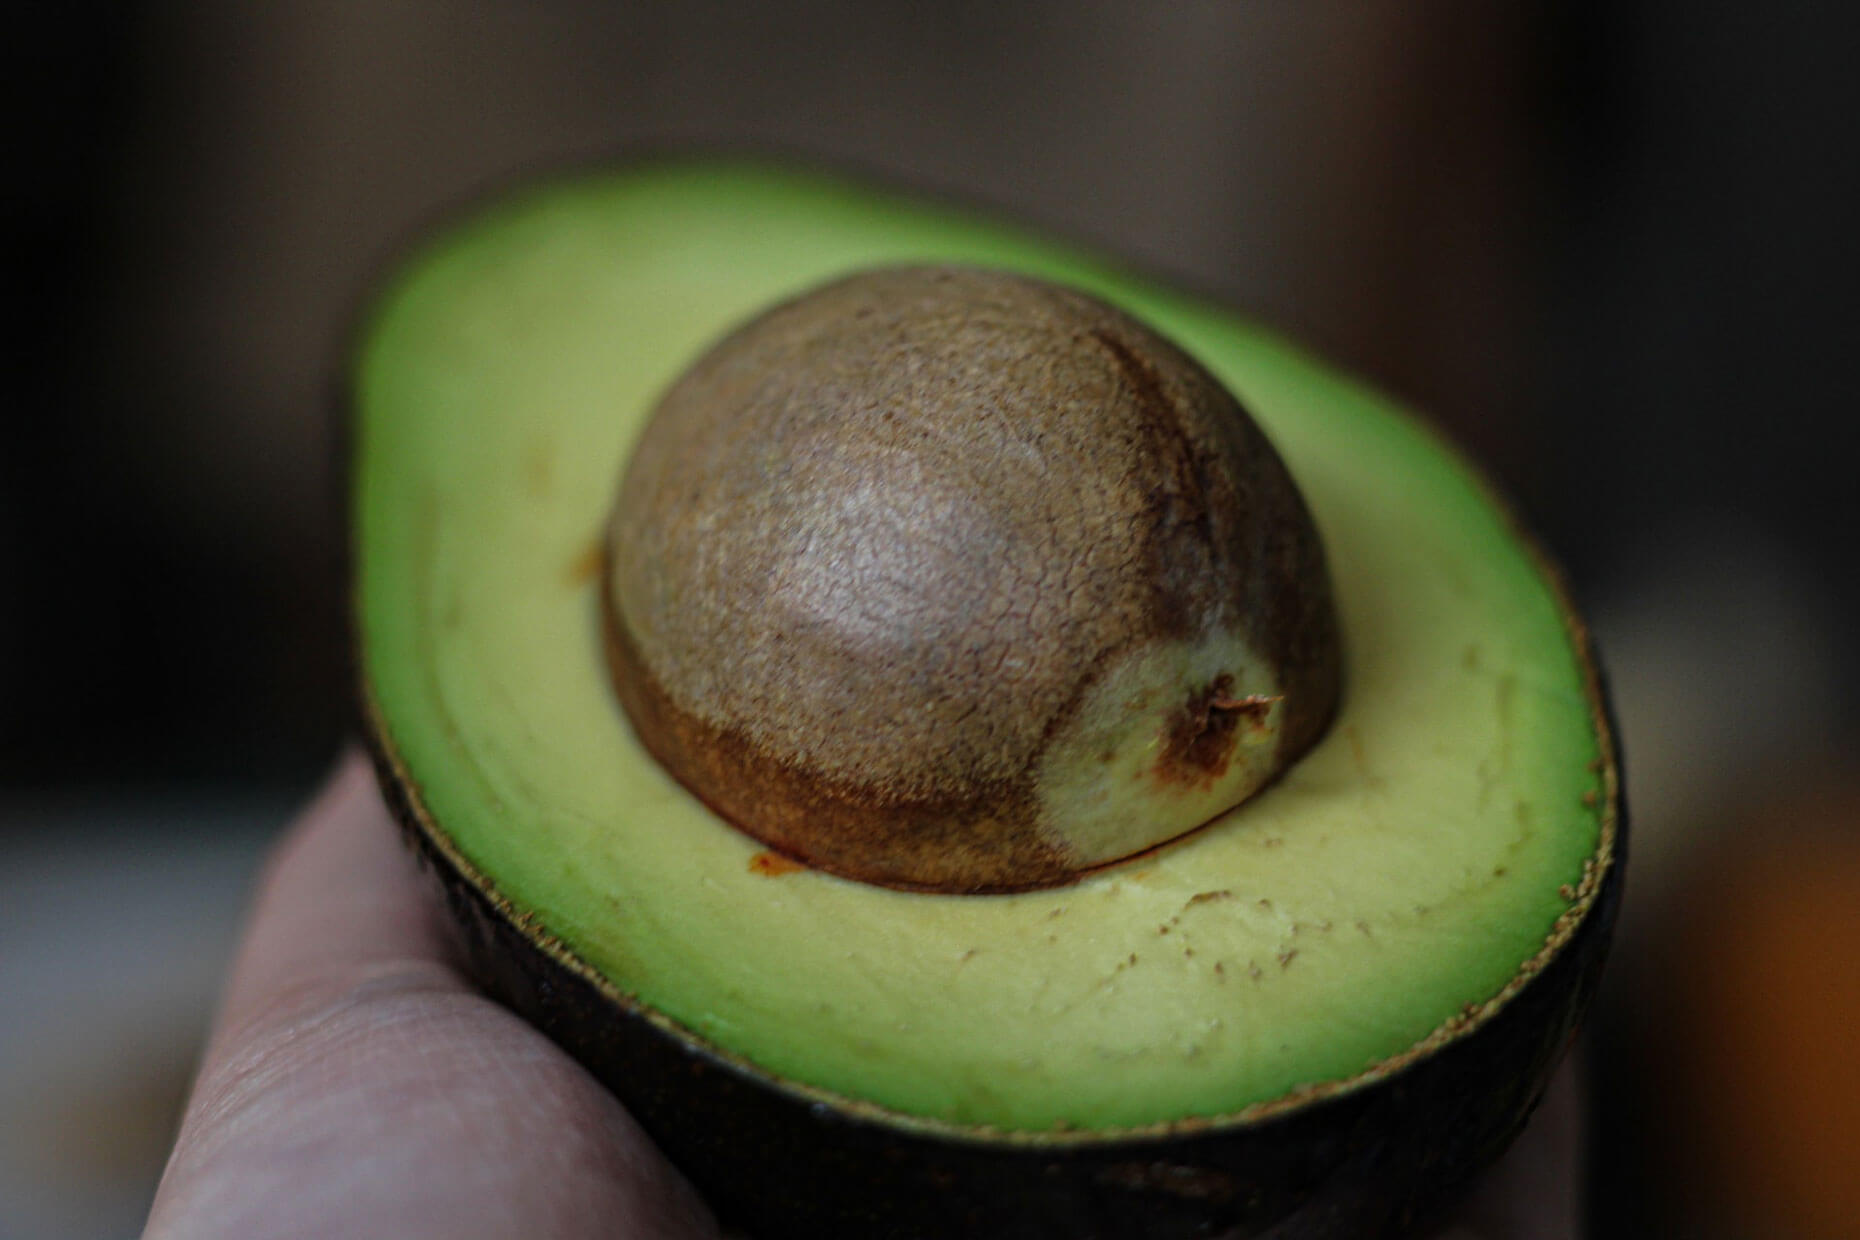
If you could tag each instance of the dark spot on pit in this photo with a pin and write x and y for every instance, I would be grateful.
(1202, 733)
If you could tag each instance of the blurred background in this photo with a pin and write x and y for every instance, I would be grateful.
(1605, 243)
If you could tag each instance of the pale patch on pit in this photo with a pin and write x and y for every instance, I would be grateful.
(1173, 735)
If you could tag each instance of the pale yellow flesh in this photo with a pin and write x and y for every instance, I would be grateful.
(1403, 870)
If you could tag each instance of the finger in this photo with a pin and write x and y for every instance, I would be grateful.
(357, 1085)
(341, 902)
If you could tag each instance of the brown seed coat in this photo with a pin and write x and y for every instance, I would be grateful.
(873, 549)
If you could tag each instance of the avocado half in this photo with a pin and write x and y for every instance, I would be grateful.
(1318, 1015)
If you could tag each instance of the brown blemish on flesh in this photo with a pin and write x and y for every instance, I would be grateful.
(771, 864)
(586, 567)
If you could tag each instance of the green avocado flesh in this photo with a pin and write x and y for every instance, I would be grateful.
(1410, 869)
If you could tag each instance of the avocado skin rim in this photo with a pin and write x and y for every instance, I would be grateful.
(1375, 1160)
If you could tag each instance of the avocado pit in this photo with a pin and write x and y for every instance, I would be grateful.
(951, 579)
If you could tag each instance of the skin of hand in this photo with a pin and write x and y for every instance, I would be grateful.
(357, 1084)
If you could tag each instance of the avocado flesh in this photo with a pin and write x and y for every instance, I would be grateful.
(1411, 867)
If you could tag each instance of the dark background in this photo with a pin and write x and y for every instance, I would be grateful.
(1607, 245)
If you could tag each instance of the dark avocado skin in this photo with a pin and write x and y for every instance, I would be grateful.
(1378, 1161)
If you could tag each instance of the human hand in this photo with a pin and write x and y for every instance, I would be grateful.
(357, 1084)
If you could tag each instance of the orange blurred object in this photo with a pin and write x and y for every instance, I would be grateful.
(1767, 1020)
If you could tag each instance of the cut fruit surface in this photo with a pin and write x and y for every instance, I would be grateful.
(1415, 869)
